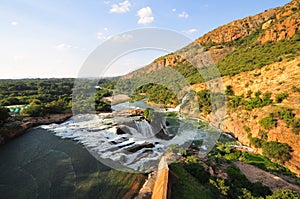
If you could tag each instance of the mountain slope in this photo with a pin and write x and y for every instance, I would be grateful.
(258, 58)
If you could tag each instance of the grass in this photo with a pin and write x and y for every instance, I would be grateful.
(187, 187)
(263, 163)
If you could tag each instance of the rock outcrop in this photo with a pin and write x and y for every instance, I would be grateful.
(14, 129)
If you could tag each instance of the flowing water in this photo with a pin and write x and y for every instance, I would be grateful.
(129, 143)
(41, 165)
(82, 157)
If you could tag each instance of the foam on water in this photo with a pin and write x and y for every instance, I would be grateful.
(98, 133)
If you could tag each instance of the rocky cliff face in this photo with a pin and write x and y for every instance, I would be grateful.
(283, 25)
(276, 24)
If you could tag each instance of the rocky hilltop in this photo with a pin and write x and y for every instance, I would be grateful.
(259, 61)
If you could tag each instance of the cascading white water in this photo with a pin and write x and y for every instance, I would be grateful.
(139, 144)
(144, 128)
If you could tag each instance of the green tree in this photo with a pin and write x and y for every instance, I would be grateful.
(35, 109)
(3, 114)
(277, 150)
(280, 97)
(268, 122)
(54, 107)
(284, 194)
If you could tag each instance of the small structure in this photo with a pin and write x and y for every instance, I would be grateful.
(16, 109)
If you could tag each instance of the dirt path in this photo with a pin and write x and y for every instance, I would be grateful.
(255, 174)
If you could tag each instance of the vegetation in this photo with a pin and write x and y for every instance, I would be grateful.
(251, 55)
(259, 100)
(204, 100)
(284, 194)
(287, 115)
(227, 151)
(159, 94)
(268, 122)
(277, 150)
(187, 186)
(284, 114)
(280, 97)
(23, 91)
(148, 113)
(272, 149)
(3, 114)
(239, 183)
(193, 179)
(263, 163)
(50, 96)
(296, 89)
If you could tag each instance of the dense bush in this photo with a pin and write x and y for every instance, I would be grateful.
(204, 99)
(280, 97)
(277, 150)
(3, 114)
(284, 194)
(198, 171)
(251, 55)
(239, 185)
(268, 122)
(159, 94)
(256, 142)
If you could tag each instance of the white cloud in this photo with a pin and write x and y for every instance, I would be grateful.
(190, 31)
(122, 38)
(174, 10)
(145, 15)
(65, 46)
(106, 2)
(14, 23)
(183, 15)
(101, 36)
(122, 7)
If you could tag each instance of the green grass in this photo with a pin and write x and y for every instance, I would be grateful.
(263, 163)
(187, 187)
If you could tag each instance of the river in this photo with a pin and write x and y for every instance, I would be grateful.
(82, 157)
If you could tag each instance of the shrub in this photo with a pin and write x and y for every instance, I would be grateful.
(284, 194)
(277, 150)
(229, 90)
(280, 97)
(3, 114)
(268, 122)
(263, 135)
(197, 171)
(247, 128)
(296, 89)
(256, 142)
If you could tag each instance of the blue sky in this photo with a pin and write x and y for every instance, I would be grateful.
(53, 38)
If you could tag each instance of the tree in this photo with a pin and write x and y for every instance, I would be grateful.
(57, 106)
(3, 114)
(35, 109)
(268, 122)
(284, 194)
(277, 150)
(280, 97)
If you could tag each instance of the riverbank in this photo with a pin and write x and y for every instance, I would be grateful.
(18, 126)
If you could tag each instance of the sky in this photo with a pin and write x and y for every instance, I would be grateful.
(53, 38)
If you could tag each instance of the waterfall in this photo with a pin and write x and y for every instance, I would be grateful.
(144, 128)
